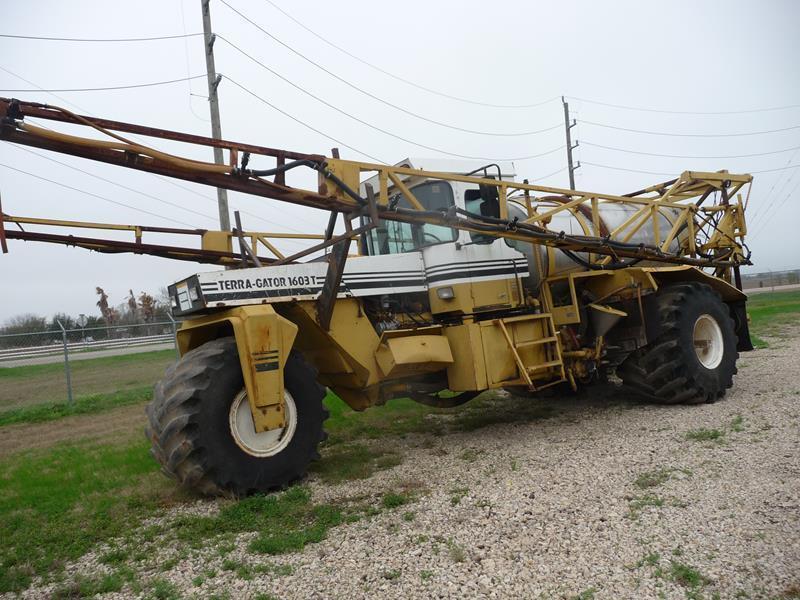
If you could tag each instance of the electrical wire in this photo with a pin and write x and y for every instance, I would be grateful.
(389, 133)
(682, 112)
(244, 212)
(119, 185)
(373, 96)
(672, 174)
(188, 67)
(628, 170)
(106, 88)
(165, 179)
(561, 170)
(585, 143)
(768, 196)
(770, 215)
(80, 191)
(306, 125)
(706, 135)
(402, 80)
(104, 40)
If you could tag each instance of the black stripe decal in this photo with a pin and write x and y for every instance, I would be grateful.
(478, 264)
(387, 283)
(471, 275)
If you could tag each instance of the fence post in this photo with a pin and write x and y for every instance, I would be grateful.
(174, 334)
(66, 362)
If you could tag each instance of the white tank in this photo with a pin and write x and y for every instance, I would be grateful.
(573, 222)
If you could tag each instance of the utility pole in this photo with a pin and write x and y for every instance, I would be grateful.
(213, 104)
(570, 147)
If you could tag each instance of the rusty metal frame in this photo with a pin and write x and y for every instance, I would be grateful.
(137, 246)
(339, 181)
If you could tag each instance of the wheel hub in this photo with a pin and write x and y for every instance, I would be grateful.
(708, 341)
(265, 443)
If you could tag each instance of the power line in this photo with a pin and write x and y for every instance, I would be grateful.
(708, 135)
(775, 183)
(683, 112)
(101, 89)
(628, 170)
(561, 170)
(398, 78)
(389, 133)
(776, 170)
(124, 187)
(130, 189)
(373, 96)
(244, 212)
(74, 189)
(687, 156)
(104, 40)
(672, 174)
(165, 179)
(296, 120)
(776, 211)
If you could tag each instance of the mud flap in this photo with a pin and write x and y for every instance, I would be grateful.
(741, 326)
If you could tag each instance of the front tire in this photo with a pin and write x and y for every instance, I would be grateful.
(693, 360)
(200, 434)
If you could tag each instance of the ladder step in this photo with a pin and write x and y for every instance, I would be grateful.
(546, 365)
(546, 340)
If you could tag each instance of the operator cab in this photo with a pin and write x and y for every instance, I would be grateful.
(465, 271)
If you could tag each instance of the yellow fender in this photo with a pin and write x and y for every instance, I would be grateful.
(264, 340)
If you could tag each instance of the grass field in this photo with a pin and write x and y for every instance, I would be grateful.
(771, 312)
(37, 384)
(57, 502)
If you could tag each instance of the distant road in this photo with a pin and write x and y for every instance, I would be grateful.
(57, 358)
(777, 288)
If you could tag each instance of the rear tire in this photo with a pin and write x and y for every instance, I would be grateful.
(693, 360)
(192, 424)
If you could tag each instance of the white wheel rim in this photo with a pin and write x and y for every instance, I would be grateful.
(266, 443)
(708, 342)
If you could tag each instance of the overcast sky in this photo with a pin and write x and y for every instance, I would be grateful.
(693, 56)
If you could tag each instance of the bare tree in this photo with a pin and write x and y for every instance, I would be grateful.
(149, 306)
(132, 304)
(109, 314)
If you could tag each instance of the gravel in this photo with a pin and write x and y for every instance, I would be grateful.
(608, 499)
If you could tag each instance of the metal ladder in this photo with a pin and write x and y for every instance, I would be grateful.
(552, 351)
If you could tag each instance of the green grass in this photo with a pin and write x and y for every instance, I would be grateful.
(28, 386)
(82, 406)
(402, 416)
(771, 312)
(56, 505)
(353, 461)
(653, 478)
(704, 435)
(284, 522)
(686, 576)
(639, 503)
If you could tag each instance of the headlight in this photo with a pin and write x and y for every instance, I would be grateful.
(445, 293)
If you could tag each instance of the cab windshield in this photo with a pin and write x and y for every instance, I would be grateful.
(394, 237)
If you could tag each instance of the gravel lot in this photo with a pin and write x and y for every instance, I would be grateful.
(605, 499)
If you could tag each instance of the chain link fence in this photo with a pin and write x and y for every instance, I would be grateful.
(73, 364)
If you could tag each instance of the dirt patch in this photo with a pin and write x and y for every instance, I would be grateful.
(118, 425)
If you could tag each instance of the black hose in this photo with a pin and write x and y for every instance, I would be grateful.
(596, 267)
(281, 168)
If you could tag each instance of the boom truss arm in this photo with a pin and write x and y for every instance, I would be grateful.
(715, 233)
